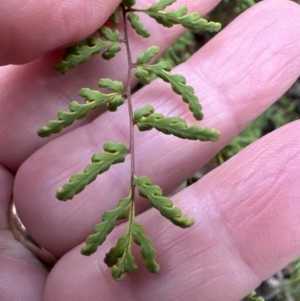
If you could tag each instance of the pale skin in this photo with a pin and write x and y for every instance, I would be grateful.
(247, 211)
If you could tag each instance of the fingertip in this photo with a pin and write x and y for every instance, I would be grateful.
(28, 30)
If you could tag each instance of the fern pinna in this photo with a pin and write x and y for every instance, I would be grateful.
(109, 42)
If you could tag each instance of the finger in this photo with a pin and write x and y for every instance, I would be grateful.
(247, 215)
(229, 105)
(32, 28)
(36, 93)
(22, 275)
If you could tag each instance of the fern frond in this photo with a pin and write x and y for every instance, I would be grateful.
(178, 83)
(114, 152)
(146, 119)
(163, 204)
(120, 257)
(94, 99)
(191, 21)
(137, 25)
(146, 247)
(82, 51)
(102, 229)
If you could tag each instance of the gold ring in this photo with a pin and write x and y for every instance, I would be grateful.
(20, 233)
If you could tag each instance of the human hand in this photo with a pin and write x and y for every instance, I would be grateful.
(246, 211)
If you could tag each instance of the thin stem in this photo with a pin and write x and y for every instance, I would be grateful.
(130, 109)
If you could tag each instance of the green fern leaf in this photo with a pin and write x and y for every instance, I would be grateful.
(113, 153)
(112, 257)
(102, 229)
(161, 5)
(109, 34)
(82, 51)
(71, 49)
(146, 119)
(93, 99)
(176, 54)
(137, 25)
(125, 266)
(115, 17)
(112, 37)
(178, 83)
(190, 21)
(113, 104)
(79, 53)
(146, 247)
(112, 100)
(163, 204)
(120, 258)
(113, 85)
(147, 56)
(146, 75)
(128, 3)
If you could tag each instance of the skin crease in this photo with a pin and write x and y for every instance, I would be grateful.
(246, 211)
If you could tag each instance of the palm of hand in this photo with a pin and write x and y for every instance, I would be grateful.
(246, 210)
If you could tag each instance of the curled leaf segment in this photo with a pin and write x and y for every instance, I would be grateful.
(163, 204)
(146, 119)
